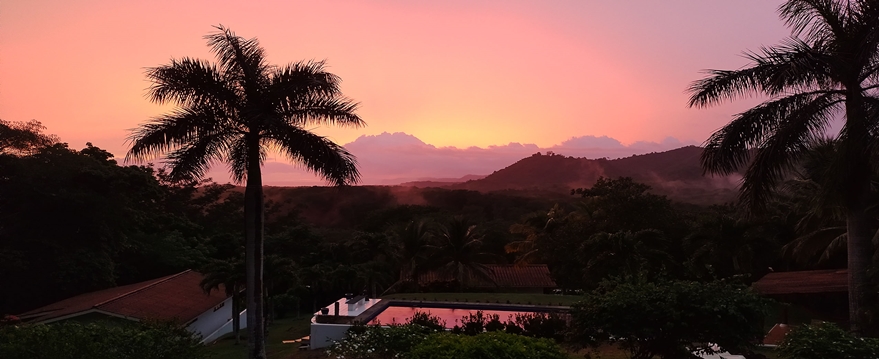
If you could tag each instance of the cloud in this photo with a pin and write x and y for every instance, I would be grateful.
(392, 158)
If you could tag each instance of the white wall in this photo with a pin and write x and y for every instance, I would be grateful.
(323, 335)
(226, 328)
(209, 323)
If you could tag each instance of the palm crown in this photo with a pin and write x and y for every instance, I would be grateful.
(827, 69)
(236, 110)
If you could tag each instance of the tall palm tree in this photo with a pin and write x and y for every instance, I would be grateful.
(409, 251)
(829, 67)
(236, 111)
(458, 252)
(230, 275)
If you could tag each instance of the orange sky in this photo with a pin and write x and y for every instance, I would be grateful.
(452, 73)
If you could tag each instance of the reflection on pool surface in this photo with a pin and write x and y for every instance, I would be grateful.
(451, 316)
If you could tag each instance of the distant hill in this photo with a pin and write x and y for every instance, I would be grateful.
(674, 173)
(440, 182)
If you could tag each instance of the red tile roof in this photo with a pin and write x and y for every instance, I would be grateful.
(504, 276)
(776, 334)
(176, 297)
(803, 282)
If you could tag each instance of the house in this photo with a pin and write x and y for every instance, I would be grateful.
(503, 278)
(823, 294)
(797, 283)
(176, 297)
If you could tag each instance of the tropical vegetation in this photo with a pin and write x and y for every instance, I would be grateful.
(828, 69)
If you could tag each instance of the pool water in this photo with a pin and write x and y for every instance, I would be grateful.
(451, 316)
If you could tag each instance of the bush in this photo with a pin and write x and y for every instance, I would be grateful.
(669, 319)
(542, 325)
(485, 346)
(826, 341)
(99, 341)
(375, 342)
(431, 322)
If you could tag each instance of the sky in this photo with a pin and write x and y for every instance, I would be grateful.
(478, 83)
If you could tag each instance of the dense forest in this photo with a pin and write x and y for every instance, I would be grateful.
(74, 221)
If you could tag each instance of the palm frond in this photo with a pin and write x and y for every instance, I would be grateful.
(193, 159)
(790, 67)
(237, 160)
(815, 19)
(191, 82)
(243, 59)
(798, 126)
(322, 110)
(168, 132)
(729, 148)
(304, 77)
(318, 154)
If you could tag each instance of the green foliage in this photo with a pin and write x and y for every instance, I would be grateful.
(541, 325)
(622, 204)
(23, 138)
(75, 221)
(96, 341)
(669, 318)
(376, 342)
(485, 346)
(826, 341)
(424, 319)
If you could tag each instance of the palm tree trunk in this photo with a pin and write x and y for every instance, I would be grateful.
(253, 248)
(858, 221)
(859, 254)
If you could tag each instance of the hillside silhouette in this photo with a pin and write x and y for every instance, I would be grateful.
(675, 173)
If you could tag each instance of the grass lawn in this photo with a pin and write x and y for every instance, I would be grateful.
(503, 298)
(281, 329)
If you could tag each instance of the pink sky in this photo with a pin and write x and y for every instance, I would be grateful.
(451, 73)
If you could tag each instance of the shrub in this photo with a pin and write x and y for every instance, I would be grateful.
(669, 318)
(473, 323)
(376, 342)
(826, 341)
(431, 322)
(99, 341)
(542, 325)
(493, 345)
(494, 324)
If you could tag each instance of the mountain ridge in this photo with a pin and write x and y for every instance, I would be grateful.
(675, 173)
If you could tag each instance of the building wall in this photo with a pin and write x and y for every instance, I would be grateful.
(323, 335)
(208, 322)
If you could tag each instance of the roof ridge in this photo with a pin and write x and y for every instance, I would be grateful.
(141, 288)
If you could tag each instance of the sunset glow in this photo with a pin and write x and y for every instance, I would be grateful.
(451, 73)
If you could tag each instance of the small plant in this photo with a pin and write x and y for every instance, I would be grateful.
(473, 323)
(826, 340)
(376, 342)
(486, 346)
(494, 323)
(542, 325)
(429, 322)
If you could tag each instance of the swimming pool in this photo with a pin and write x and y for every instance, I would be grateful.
(451, 316)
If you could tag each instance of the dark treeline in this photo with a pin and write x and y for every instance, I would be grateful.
(74, 221)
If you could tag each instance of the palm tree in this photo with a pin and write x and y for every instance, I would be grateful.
(724, 244)
(236, 111)
(410, 243)
(230, 275)
(829, 67)
(457, 252)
